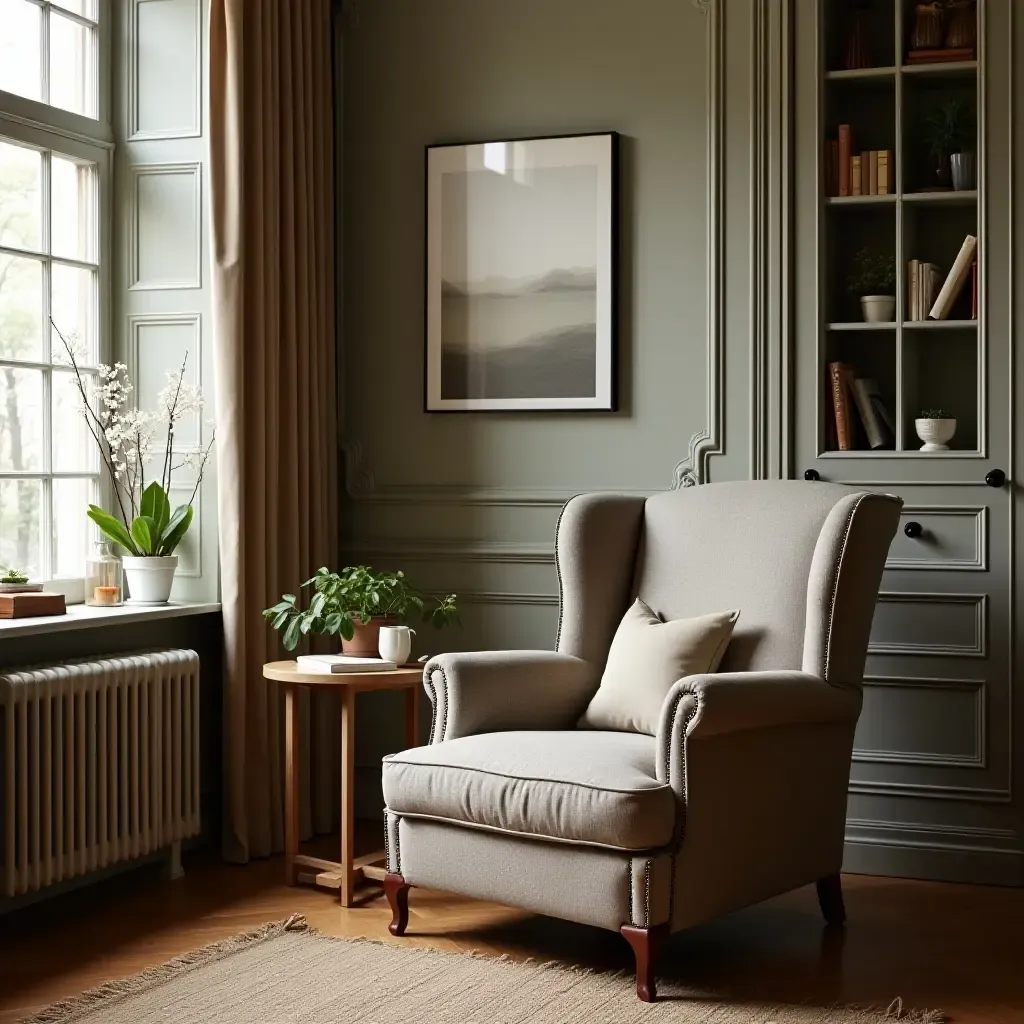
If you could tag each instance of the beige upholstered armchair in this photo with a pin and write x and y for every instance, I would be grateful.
(740, 795)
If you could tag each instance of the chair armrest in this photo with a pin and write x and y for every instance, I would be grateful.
(736, 702)
(496, 691)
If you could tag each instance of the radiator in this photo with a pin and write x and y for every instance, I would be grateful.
(100, 763)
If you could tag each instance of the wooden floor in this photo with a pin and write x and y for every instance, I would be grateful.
(960, 948)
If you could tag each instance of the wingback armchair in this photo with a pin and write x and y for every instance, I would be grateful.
(740, 795)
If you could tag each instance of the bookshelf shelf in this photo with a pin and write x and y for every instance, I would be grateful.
(965, 197)
(947, 69)
(882, 114)
(860, 74)
(940, 325)
(858, 325)
(860, 200)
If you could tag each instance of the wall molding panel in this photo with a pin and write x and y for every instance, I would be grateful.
(976, 648)
(978, 525)
(187, 272)
(974, 688)
(190, 124)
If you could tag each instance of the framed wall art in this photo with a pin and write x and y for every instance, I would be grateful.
(521, 274)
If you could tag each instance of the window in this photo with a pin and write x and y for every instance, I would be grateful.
(48, 52)
(53, 237)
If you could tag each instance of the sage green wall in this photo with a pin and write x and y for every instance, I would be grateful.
(469, 502)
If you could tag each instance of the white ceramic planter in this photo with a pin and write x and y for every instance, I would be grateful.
(878, 309)
(936, 434)
(149, 579)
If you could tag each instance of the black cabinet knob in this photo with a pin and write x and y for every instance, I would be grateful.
(811, 474)
(995, 478)
(913, 529)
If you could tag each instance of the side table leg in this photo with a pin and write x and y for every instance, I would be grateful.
(291, 781)
(348, 781)
(412, 716)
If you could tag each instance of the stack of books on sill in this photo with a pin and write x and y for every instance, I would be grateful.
(861, 417)
(926, 300)
(868, 173)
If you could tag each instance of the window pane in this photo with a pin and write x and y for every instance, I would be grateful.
(73, 219)
(71, 66)
(21, 308)
(21, 419)
(21, 207)
(86, 8)
(73, 306)
(71, 526)
(74, 449)
(20, 70)
(20, 516)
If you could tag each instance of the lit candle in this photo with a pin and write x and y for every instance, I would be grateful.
(106, 596)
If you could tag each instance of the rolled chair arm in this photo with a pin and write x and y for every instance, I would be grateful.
(497, 691)
(736, 702)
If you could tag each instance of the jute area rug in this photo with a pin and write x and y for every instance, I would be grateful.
(287, 974)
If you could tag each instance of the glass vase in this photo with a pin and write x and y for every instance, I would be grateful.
(104, 580)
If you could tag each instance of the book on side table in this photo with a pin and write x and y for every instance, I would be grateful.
(334, 664)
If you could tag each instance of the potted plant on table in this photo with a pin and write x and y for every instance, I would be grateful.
(140, 473)
(950, 133)
(354, 604)
(873, 279)
(935, 427)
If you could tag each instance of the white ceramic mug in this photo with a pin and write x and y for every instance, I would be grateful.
(395, 643)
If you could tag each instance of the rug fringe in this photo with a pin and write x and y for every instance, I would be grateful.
(68, 1009)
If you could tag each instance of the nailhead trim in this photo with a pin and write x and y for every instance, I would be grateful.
(387, 841)
(647, 894)
(629, 887)
(428, 672)
(432, 694)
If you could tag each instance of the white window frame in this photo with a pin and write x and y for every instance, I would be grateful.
(51, 129)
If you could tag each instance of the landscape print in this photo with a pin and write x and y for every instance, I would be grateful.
(523, 250)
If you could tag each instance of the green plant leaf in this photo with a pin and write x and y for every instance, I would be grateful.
(172, 536)
(280, 618)
(112, 528)
(155, 505)
(142, 534)
(291, 634)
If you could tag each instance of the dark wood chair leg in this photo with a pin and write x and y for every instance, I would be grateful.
(646, 943)
(830, 899)
(397, 891)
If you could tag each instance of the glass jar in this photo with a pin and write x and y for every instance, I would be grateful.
(104, 587)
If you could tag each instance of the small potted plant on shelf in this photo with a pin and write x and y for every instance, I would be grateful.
(354, 604)
(873, 278)
(140, 472)
(15, 581)
(935, 427)
(950, 133)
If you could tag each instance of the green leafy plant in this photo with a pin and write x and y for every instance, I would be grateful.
(155, 531)
(873, 273)
(356, 593)
(12, 575)
(950, 128)
(935, 414)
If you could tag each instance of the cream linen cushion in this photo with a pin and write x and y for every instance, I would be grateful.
(646, 657)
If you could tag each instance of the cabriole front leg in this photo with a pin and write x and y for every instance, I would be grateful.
(397, 891)
(647, 944)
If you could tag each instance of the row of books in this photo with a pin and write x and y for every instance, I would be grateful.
(861, 416)
(871, 172)
(926, 300)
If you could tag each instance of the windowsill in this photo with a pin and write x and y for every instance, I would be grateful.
(80, 616)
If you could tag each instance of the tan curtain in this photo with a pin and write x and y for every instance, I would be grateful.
(272, 214)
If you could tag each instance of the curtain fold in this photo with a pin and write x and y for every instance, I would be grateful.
(271, 128)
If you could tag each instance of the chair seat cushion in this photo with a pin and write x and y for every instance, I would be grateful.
(579, 786)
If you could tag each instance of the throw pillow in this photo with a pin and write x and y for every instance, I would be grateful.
(646, 658)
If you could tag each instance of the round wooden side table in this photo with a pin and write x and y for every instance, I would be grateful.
(346, 874)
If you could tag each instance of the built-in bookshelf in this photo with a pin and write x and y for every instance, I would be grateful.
(898, 100)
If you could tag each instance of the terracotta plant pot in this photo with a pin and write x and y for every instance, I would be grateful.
(366, 638)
